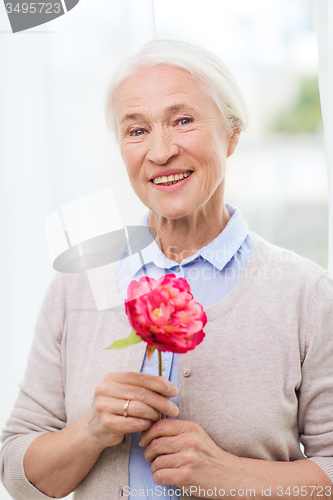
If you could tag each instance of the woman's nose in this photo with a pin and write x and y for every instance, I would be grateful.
(161, 148)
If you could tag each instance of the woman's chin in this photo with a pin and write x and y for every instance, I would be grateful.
(171, 212)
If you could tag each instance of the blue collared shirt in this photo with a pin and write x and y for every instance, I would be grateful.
(211, 272)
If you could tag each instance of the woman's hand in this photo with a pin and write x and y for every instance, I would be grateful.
(56, 462)
(148, 396)
(182, 454)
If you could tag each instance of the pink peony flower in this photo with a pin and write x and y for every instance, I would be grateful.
(164, 314)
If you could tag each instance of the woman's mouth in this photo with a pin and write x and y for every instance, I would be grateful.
(171, 179)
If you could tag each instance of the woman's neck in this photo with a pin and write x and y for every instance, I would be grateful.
(181, 238)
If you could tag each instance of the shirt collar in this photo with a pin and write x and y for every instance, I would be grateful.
(218, 252)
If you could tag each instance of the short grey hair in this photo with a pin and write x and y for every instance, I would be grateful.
(201, 64)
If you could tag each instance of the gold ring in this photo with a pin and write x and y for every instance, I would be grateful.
(126, 408)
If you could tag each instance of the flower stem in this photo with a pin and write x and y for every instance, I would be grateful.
(160, 373)
(159, 363)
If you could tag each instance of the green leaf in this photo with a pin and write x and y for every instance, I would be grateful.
(132, 339)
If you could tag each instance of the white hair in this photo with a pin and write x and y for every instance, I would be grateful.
(201, 64)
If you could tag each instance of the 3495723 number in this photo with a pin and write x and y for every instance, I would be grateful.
(303, 491)
(33, 8)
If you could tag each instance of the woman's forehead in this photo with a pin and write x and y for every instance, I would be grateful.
(170, 89)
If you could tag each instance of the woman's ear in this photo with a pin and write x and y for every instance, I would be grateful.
(233, 141)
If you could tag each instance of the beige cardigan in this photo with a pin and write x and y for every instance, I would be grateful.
(260, 382)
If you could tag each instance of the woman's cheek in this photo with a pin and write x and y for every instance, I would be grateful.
(131, 158)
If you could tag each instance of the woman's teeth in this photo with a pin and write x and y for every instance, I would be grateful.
(171, 179)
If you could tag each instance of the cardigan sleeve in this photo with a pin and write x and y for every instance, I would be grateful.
(316, 390)
(40, 406)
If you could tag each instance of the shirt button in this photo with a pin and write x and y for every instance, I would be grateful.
(187, 372)
(163, 367)
(178, 269)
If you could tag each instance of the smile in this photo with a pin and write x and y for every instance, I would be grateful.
(171, 179)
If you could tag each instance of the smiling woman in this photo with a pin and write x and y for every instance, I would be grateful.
(168, 125)
(165, 106)
(260, 382)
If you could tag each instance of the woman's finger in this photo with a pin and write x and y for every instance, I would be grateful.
(130, 408)
(138, 394)
(166, 427)
(171, 461)
(156, 384)
(165, 445)
(119, 425)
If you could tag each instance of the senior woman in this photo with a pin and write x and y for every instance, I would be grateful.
(260, 383)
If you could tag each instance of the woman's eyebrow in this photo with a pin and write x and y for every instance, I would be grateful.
(175, 108)
(180, 107)
(133, 116)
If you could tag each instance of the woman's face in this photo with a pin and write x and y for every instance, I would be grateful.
(167, 125)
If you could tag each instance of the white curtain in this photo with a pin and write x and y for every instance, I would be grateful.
(54, 148)
(324, 27)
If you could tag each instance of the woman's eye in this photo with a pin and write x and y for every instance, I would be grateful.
(138, 132)
(185, 121)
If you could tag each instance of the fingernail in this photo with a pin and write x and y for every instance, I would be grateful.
(174, 409)
(140, 442)
(174, 390)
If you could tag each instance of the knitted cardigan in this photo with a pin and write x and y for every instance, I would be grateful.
(260, 383)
